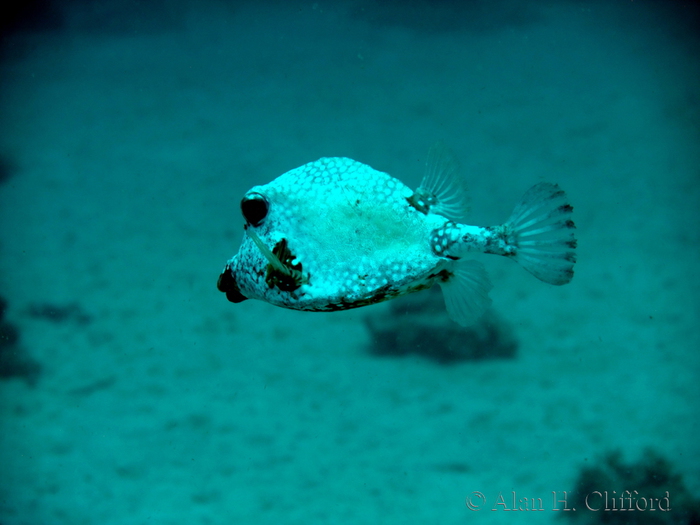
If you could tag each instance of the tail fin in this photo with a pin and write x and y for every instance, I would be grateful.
(542, 233)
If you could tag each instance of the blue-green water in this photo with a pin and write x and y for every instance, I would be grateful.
(133, 392)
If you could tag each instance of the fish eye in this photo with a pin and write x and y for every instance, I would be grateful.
(254, 207)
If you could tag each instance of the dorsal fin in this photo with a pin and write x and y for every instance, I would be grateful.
(443, 190)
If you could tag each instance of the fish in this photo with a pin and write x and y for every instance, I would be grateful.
(337, 234)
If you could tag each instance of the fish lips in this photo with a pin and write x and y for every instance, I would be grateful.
(228, 285)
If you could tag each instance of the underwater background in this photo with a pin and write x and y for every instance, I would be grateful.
(131, 391)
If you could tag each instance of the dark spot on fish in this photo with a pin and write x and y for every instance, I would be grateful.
(566, 208)
(558, 192)
(285, 281)
(383, 293)
(442, 275)
(422, 200)
(500, 241)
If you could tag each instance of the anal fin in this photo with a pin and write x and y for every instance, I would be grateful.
(466, 291)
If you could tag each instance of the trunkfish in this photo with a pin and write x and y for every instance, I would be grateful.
(336, 234)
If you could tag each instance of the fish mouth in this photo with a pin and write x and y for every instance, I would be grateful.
(284, 271)
(228, 285)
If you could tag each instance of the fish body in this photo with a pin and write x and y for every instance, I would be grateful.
(336, 234)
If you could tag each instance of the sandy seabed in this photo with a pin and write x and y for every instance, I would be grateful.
(129, 137)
